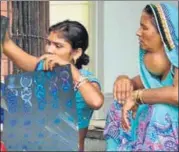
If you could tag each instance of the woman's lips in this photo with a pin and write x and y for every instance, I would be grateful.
(140, 42)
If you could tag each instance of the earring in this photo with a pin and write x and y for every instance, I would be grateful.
(74, 61)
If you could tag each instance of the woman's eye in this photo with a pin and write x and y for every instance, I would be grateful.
(48, 42)
(145, 28)
(58, 46)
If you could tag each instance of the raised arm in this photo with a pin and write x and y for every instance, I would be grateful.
(22, 59)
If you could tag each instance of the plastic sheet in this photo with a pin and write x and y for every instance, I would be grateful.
(40, 111)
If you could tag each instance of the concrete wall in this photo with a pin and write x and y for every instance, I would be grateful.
(74, 10)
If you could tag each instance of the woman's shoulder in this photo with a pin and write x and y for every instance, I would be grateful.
(91, 77)
(86, 72)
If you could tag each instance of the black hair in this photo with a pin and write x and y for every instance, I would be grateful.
(149, 11)
(76, 34)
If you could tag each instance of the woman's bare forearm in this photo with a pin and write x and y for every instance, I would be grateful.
(22, 59)
(90, 91)
(92, 95)
(168, 95)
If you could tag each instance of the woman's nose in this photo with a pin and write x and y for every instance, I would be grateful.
(138, 33)
(50, 49)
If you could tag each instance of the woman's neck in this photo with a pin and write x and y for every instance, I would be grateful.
(157, 50)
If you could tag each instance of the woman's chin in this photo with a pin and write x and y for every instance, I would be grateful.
(142, 47)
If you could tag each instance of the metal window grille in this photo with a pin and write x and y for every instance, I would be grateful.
(30, 23)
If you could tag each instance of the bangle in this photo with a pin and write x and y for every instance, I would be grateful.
(81, 80)
(135, 96)
(138, 96)
(80, 83)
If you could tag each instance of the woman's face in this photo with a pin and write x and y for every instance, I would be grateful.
(57, 45)
(149, 37)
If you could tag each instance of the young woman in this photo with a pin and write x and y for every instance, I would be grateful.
(66, 44)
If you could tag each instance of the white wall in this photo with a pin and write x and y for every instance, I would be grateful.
(121, 20)
(81, 11)
(73, 10)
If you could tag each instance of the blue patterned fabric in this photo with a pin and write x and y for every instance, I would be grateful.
(155, 127)
(83, 110)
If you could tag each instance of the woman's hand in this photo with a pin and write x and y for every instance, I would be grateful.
(122, 89)
(51, 60)
(130, 105)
